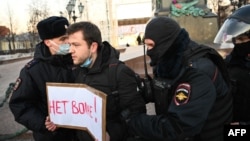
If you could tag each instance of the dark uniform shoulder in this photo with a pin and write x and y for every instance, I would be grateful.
(31, 63)
(204, 65)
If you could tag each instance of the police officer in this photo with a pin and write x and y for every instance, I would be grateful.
(51, 63)
(191, 95)
(236, 30)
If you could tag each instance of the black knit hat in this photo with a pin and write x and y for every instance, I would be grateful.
(52, 27)
(163, 31)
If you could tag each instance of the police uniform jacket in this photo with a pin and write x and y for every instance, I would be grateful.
(194, 105)
(29, 101)
(128, 98)
(239, 68)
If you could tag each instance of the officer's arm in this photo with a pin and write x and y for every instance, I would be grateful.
(192, 114)
(183, 119)
(130, 98)
(155, 127)
(22, 103)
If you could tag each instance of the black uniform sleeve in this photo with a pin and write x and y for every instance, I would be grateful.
(130, 98)
(154, 127)
(193, 114)
(182, 120)
(130, 102)
(24, 101)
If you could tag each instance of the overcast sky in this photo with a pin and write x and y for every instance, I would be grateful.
(19, 8)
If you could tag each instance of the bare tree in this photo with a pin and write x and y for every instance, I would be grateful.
(224, 8)
(11, 36)
(38, 10)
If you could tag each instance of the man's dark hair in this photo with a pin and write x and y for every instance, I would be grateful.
(91, 33)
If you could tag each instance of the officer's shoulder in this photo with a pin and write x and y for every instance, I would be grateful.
(203, 64)
(31, 63)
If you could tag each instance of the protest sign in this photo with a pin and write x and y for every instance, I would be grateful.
(77, 106)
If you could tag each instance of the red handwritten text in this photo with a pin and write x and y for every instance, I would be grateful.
(58, 107)
(81, 108)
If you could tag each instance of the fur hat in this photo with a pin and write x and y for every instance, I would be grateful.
(52, 27)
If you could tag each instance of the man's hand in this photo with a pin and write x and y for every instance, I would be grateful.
(50, 125)
(107, 136)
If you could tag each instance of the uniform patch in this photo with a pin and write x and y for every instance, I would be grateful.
(17, 84)
(31, 63)
(182, 94)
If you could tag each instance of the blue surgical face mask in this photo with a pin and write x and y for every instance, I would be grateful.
(63, 49)
(87, 63)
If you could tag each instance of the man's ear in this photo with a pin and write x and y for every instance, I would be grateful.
(47, 42)
(94, 47)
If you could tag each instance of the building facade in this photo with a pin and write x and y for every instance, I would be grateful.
(116, 18)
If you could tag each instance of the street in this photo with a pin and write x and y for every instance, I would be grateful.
(9, 73)
(9, 128)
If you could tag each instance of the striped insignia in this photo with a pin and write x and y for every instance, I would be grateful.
(182, 94)
(17, 84)
(31, 63)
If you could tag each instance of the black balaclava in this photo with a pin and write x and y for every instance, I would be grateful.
(242, 49)
(171, 63)
(240, 55)
(163, 31)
